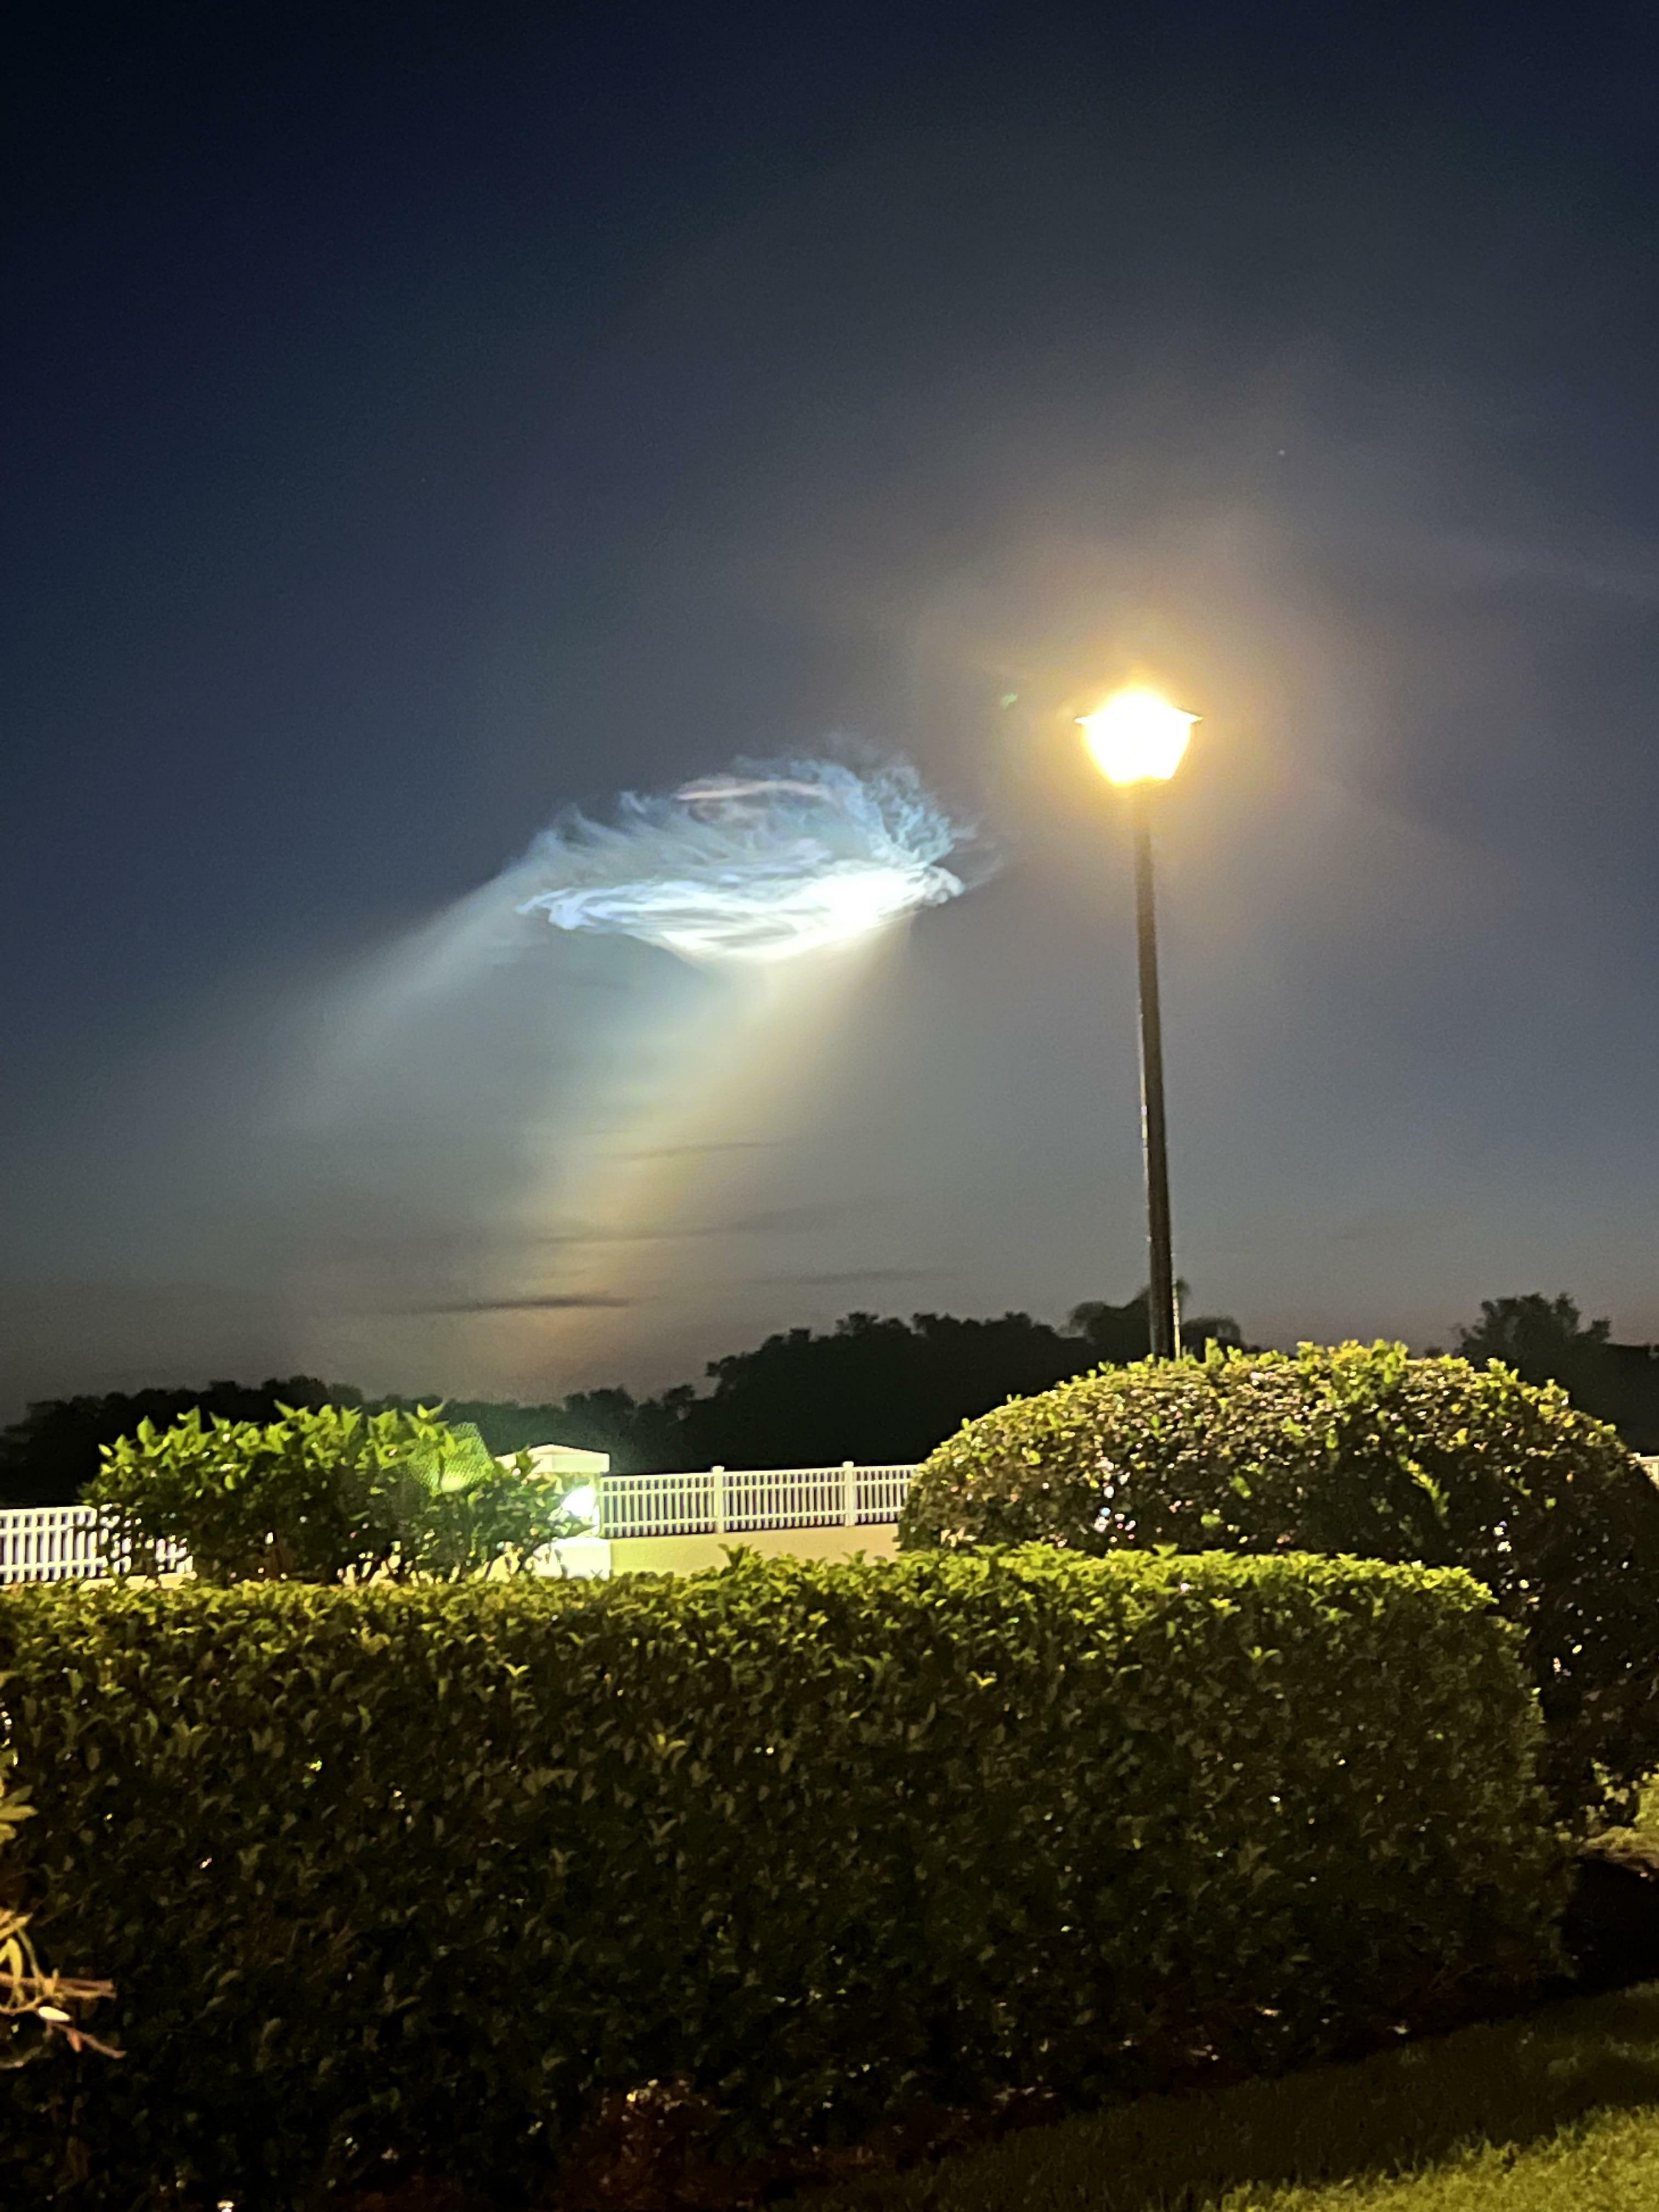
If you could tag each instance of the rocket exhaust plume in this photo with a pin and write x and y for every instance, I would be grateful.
(561, 1184)
(759, 865)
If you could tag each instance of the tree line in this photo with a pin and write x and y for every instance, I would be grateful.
(871, 1389)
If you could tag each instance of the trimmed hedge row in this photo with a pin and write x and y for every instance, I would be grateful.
(1361, 1450)
(425, 1871)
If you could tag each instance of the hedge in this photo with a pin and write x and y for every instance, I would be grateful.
(1361, 1450)
(425, 1872)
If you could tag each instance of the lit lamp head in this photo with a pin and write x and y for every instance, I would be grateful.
(1137, 737)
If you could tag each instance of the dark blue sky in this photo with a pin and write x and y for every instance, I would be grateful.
(418, 419)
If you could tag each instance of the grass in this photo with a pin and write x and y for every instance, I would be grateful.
(1556, 2112)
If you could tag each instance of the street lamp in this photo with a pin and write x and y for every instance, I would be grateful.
(1137, 740)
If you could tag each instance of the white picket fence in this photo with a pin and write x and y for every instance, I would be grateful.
(722, 1501)
(60, 1543)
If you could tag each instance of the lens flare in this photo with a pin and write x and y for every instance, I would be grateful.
(771, 861)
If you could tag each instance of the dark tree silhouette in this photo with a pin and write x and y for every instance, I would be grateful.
(1544, 1339)
(869, 1389)
(640, 1434)
(1548, 1341)
(50, 1455)
(1118, 1335)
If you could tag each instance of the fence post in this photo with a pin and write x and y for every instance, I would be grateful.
(850, 1481)
(718, 1474)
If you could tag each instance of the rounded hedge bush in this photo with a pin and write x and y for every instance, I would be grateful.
(1362, 1450)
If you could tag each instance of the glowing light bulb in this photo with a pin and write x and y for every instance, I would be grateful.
(1137, 737)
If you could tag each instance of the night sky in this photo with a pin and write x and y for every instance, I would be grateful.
(417, 419)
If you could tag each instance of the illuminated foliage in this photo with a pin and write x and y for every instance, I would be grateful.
(37, 2007)
(323, 1495)
(1361, 1450)
(429, 1872)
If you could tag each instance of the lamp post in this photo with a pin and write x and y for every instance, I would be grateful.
(1137, 740)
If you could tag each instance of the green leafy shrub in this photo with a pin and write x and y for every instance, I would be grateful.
(434, 1871)
(322, 1495)
(1359, 1450)
(37, 2007)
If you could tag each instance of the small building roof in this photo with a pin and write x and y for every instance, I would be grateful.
(563, 1459)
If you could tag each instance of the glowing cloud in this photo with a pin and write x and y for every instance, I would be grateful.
(773, 861)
